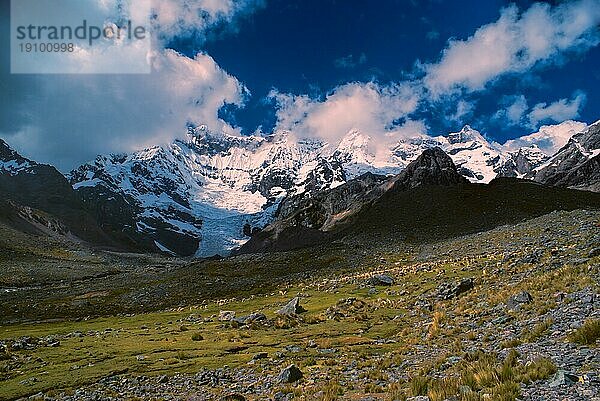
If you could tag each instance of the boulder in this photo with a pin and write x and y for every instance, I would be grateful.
(448, 291)
(516, 301)
(463, 286)
(254, 317)
(563, 378)
(291, 308)
(382, 280)
(226, 315)
(290, 374)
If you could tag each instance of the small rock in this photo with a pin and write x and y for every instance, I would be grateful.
(293, 348)
(424, 304)
(533, 258)
(260, 355)
(290, 374)
(233, 397)
(594, 252)
(281, 396)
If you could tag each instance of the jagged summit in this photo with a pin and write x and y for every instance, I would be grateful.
(466, 134)
(432, 167)
(4, 148)
(7, 153)
(11, 162)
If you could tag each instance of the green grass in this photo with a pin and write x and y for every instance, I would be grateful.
(588, 333)
(189, 338)
(483, 377)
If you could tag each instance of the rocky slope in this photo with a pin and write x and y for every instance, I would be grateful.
(302, 220)
(576, 165)
(428, 200)
(512, 313)
(37, 198)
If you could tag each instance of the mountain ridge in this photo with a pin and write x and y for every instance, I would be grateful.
(207, 193)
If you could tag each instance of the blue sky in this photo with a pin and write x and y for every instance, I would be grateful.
(311, 47)
(320, 67)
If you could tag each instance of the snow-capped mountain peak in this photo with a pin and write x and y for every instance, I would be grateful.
(549, 138)
(465, 135)
(474, 156)
(205, 193)
(11, 162)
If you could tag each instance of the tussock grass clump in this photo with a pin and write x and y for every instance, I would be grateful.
(286, 322)
(443, 389)
(4, 355)
(395, 392)
(537, 331)
(183, 356)
(515, 342)
(587, 334)
(372, 388)
(331, 391)
(538, 370)
(419, 385)
(480, 376)
(436, 324)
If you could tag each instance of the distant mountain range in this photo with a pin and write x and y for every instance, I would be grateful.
(208, 193)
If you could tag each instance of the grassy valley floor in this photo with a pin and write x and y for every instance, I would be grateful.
(509, 313)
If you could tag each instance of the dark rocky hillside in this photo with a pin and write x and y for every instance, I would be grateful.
(576, 165)
(38, 186)
(429, 200)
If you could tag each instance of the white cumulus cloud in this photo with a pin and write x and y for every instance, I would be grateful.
(72, 118)
(514, 112)
(549, 139)
(557, 111)
(514, 43)
(182, 17)
(368, 107)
